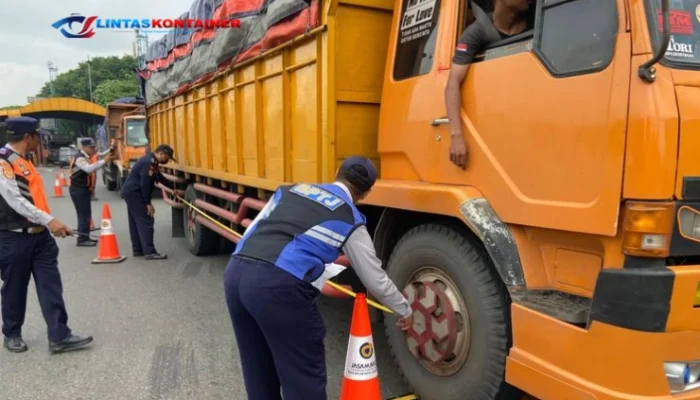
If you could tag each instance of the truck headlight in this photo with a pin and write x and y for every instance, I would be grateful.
(689, 223)
(682, 376)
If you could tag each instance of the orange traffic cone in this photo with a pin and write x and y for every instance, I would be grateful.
(62, 181)
(107, 248)
(361, 378)
(57, 189)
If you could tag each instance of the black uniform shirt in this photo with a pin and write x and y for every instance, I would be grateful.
(142, 179)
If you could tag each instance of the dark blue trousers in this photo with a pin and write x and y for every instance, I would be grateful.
(140, 226)
(279, 331)
(83, 207)
(21, 256)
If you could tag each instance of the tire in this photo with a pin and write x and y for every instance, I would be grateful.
(481, 374)
(200, 239)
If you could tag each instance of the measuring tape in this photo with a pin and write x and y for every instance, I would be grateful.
(238, 235)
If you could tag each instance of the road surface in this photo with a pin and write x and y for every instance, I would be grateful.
(161, 328)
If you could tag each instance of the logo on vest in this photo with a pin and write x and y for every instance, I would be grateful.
(320, 196)
(361, 364)
(7, 172)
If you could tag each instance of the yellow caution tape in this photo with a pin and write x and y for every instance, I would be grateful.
(332, 284)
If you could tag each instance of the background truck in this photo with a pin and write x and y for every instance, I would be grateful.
(124, 126)
(564, 261)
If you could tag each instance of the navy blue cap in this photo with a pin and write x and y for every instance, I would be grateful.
(20, 126)
(88, 142)
(361, 169)
(165, 148)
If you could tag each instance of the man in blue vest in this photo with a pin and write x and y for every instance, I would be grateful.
(268, 282)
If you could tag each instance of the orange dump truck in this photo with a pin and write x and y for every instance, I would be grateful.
(564, 261)
(125, 129)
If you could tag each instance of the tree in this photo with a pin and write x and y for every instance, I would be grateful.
(74, 83)
(112, 89)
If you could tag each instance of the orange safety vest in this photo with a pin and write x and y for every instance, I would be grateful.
(91, 177)
(30, 184)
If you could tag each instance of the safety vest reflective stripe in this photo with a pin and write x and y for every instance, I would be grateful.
(326, 236)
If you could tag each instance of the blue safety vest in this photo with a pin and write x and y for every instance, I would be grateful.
(303, 228)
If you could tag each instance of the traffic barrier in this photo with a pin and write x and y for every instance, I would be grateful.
(62, 180)
(107, 248)
(57, 188)
(361, 377)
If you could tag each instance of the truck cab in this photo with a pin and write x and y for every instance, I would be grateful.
(124, 130)
(582, 189)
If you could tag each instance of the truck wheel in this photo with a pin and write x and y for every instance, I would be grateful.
(458, 345)
(200, 239)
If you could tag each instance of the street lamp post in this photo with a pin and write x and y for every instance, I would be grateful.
(89, 77)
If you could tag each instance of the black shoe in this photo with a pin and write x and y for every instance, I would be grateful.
(138, 254)
(155, 256)
(15, 344)
(87, 243)
(69, 343)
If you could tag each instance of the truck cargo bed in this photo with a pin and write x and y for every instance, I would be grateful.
(291, 114)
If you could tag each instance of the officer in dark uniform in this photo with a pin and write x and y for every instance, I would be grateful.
(268, 282)
(137, 192)
(82, 174)
(26, 245)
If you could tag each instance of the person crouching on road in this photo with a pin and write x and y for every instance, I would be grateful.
(137, 192)
(26, 246)
(82, 173)
(269, 293)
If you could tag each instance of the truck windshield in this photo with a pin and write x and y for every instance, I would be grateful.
(136, 133)
(684, 15)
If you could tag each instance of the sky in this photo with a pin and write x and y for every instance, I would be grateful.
(28, 41)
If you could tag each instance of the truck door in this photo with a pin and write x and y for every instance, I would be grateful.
(545, 118)
(413, 77)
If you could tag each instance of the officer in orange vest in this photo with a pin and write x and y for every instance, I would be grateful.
(26, 245)
(82, 175)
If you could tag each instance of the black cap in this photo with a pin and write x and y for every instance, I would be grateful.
(88, 142)
(360, 171)
(20, 126)
(167, 150)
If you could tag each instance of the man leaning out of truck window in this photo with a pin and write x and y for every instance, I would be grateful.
(509, 18)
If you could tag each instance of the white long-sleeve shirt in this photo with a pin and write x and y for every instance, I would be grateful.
(84, 165)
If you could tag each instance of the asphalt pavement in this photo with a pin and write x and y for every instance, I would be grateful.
(161, 328)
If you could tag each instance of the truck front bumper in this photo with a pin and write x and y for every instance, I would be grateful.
(617, 357)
